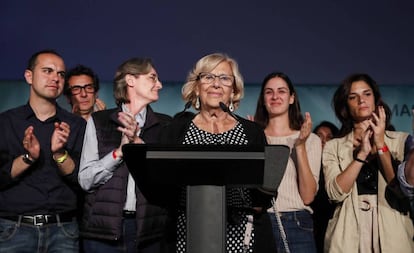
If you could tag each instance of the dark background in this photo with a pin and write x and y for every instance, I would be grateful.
(314, 42)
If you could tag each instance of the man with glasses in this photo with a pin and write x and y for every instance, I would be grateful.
(81, 89)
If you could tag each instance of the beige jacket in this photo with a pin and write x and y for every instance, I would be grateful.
(396, 230)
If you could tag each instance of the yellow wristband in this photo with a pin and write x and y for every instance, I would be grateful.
(62, 158)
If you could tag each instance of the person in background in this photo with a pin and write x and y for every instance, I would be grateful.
(322, 208)
(358, 166)
(278, 112)
(216, 79)
(39, 159)
(405, 177)
(117, 217)
(81, 90)
(326, 131)
(406, 181)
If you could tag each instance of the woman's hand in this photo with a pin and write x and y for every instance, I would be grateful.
(305, 130)
(129, 127)
(365, 147)
(377, 124)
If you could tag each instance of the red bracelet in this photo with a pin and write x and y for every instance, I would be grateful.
(383, 150)
(114, 154)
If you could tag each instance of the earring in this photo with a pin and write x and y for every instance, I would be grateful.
(231, 106)
(197, 103)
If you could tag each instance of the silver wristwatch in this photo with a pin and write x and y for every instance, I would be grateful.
(27, 159)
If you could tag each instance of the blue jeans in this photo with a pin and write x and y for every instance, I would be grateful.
(52, 238)
(298, 228)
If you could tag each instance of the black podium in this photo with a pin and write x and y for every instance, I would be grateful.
(206, 171)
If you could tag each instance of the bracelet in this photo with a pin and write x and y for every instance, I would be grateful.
(360, 160)
(383, 150)
(62, 158)
(117, 158)
(28, 159)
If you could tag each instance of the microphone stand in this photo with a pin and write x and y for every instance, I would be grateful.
(186, 106)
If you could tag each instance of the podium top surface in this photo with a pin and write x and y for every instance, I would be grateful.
(197, 164)
(205, 152)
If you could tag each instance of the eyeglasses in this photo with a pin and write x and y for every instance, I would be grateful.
(76, 89)
(209, 78)
(153, 78)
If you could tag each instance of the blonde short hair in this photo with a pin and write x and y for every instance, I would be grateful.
(207, 64)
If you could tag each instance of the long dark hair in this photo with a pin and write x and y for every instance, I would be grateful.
(262, 115)
(340, 102)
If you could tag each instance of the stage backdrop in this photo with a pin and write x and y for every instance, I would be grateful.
(315, 99)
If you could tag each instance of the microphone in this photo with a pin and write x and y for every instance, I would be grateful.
(226, 109)
(186, 106)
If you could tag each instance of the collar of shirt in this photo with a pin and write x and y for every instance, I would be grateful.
(28, 112)
(140, 117)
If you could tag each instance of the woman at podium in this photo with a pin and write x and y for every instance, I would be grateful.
(214, 89)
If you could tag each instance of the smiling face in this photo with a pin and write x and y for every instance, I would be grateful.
(47, 77)
(277, 97)
(84, 101)
(361, 101)
(211, 94)
(145, 86)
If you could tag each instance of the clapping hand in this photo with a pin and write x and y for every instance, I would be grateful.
(60, 136)
(305, 130)
(129, 126)
(377, 125)
(99, 105)
(31, 143)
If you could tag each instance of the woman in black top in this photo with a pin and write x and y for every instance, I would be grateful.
(216, 79)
